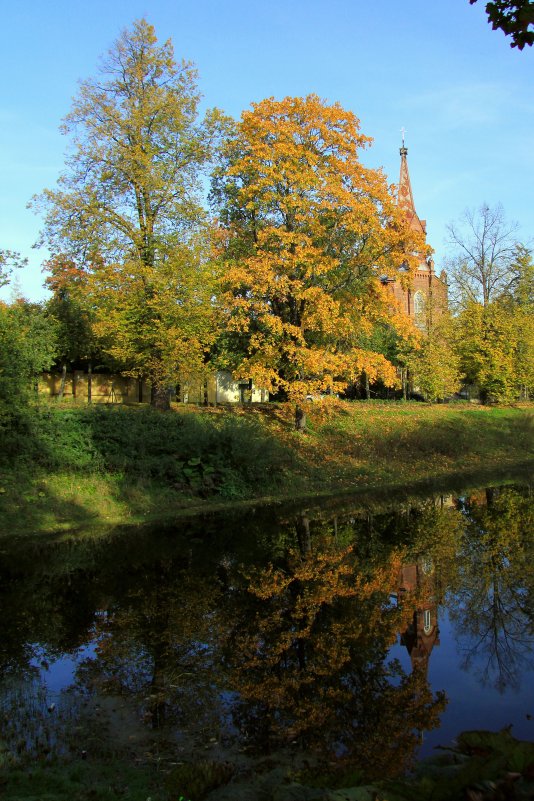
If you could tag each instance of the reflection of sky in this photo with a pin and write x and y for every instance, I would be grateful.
(471, 706)
(58, 674)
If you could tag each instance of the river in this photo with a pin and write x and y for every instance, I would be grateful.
(353, 634)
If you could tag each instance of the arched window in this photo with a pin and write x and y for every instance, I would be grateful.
(427, 621)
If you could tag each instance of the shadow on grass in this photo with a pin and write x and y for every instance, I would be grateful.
(83, 465)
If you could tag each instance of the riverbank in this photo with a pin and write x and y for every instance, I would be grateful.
(65, 467)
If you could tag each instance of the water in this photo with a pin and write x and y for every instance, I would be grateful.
(353, 634)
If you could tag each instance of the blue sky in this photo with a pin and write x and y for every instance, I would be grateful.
(433, 66)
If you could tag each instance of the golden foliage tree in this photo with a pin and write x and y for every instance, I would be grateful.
(129, 196)
(307, 233)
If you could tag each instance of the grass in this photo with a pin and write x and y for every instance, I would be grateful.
(65, 467)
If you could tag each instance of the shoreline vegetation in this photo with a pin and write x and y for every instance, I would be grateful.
(65, 467)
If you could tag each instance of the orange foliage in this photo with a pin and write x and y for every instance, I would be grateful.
(310, 232)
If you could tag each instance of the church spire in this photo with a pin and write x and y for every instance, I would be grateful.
(404, 193)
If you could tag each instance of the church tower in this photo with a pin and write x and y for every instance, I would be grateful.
(428, 294)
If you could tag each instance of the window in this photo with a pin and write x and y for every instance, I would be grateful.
(427, 621)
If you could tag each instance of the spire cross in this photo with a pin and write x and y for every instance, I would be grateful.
(403, 131)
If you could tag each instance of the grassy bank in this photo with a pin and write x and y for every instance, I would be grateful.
(67, 466)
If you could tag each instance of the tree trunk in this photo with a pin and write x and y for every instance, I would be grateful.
(159, 398)
(303, 535)
(367, 388)
(63, 381)
(404, 384)
(300, 418)
(140, 389)
(90, 383)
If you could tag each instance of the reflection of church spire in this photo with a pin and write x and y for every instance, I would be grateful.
(422, 633)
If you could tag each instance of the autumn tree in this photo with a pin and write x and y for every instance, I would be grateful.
(129, 195)
(307, 234)
(164, 334)
(516, 19)
(483, 258)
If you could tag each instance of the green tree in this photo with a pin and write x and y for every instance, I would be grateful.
(489, 344)
(77, 342)
(27, 347)
(434, 364)
(516, 19)
(495, 342)
(520, 291)
(165, 333)
(129, 195)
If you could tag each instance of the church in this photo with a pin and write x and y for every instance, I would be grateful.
(427, 296)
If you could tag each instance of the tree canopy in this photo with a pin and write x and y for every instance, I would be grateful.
(516, 19)
(130, 185)
(127, 208)
(308, 236)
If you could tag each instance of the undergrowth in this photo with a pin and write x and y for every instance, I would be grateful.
(68, 465)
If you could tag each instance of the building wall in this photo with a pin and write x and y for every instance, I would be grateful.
(431, 288)
(216, 388)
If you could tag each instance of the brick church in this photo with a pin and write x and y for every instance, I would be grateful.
(427, 295)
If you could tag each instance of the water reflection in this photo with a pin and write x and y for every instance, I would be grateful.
(248, 636)
(308, 652)
(492, 608)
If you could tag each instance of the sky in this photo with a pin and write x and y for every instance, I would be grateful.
(433, 67)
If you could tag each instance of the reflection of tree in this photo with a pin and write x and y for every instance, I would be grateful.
(308, 653)
(307, 636)
(47, 604)
(157, 643)
(493, 610)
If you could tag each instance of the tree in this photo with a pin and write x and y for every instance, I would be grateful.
(69, 306)
(516, 19)
(164, 333)
(9, 260)
(433, 363)
(520, 291)
(307, 234)
(495, 342)
(129, 195)
(131, 180)
(483, 265)
(490, 347)
(27, 347)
